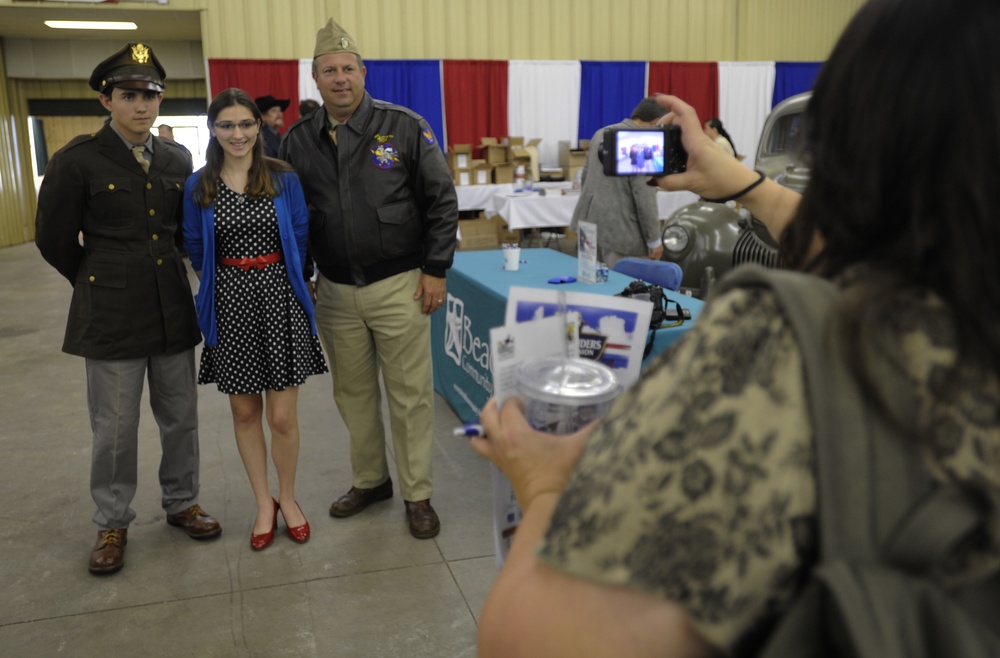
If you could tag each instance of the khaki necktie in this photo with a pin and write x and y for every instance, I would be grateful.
(138, 152)
(333, 135)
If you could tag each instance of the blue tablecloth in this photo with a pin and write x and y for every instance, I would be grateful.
(477, 301)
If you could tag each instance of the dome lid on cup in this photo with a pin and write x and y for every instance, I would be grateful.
(568, 380)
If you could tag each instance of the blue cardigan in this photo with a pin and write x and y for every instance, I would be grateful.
(199, 240)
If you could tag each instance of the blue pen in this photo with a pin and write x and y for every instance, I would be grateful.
(470, 430)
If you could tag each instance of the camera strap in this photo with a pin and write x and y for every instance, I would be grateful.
(661, 309)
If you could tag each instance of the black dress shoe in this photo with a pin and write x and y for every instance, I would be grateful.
(356, 499)
(109, 551)
(424, 522)
(197, 523)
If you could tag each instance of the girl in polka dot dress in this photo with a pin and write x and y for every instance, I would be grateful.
(245, 229)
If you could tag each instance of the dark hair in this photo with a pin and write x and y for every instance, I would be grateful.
(260, 179)
(902, 157)
(648, 110)
(716, 123)
(307, 106)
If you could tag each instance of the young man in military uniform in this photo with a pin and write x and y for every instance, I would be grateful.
(383, 234)
(132, 315)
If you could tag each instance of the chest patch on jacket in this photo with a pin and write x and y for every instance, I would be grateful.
(385, 156)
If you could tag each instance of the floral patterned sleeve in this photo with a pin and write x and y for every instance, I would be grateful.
(699, 486)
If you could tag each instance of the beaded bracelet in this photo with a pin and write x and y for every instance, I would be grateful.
(746, 189)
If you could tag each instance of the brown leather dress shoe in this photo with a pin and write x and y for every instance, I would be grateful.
(424, 522)
(356, 499)
(109, 551)
(197, 523)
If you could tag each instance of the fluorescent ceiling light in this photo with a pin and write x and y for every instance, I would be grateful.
(92, 25)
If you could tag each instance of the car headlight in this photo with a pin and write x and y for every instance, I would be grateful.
(675, 238)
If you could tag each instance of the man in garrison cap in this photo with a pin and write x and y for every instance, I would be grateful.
(272, 109)
(383, 236)
(131, 316)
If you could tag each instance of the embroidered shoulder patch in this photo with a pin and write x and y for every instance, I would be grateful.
(428, 135)
(385, 156)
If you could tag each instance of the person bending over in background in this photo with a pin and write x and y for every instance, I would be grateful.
(623, 207)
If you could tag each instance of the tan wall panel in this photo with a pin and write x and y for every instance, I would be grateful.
(675, 30)
(17, 187)
(60, 130)
(792, 30)
(659, 30)
(49, 89)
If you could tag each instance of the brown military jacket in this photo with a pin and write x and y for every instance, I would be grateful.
(131, 295)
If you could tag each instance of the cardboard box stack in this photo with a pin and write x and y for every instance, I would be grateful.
(484, 233)
(527, 154)
(493, 151)
(460, 162)
(478, 233)
(571, 160)
(497, 161)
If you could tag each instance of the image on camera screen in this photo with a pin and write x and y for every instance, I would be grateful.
(639, 152)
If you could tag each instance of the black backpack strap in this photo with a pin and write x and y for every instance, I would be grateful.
(837, 413)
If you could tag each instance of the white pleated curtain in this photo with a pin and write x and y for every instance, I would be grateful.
(745, 90)
(307, 86)
(543, 100)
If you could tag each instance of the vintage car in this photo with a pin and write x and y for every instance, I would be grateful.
(709, 239)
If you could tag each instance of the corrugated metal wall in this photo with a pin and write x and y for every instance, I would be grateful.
(657, 30)
(17, 187)
(670, 30)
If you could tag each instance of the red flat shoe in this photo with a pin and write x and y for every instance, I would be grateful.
(262, 541)
(299, 534)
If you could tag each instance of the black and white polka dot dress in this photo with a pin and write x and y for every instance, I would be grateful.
(264, 338)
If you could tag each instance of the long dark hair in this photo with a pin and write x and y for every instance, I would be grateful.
(903, 157)
(261, 180)
(716, 123)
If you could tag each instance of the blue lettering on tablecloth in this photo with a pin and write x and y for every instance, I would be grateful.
(463, 347)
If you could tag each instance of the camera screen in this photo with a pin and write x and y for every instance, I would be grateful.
(639, 152)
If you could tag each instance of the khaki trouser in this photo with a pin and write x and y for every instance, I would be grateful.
(379, 328)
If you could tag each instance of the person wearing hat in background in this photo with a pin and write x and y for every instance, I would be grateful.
(271, 109)
(383, 232)
(132, 315)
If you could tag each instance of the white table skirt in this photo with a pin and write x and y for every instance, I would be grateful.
(525, 211)
(477, 197)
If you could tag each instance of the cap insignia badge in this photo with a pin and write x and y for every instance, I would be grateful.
(344, 43)
(140, 53)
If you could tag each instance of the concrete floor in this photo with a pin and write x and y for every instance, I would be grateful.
(360, 587)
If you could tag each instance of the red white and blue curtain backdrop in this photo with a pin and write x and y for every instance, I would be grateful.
(466, 100)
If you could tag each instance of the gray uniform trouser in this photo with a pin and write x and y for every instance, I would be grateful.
(114, 392)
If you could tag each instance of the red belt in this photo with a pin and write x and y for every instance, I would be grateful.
(260, 262)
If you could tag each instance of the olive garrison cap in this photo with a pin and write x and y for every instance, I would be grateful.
(135, 64)
(332, 38)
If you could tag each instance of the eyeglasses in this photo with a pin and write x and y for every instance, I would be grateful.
(228, 126)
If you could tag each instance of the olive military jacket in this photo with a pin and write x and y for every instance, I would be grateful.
(131, 294)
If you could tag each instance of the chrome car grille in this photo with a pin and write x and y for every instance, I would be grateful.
(752, 249)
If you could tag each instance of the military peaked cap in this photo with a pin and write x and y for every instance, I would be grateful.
(134, 66)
